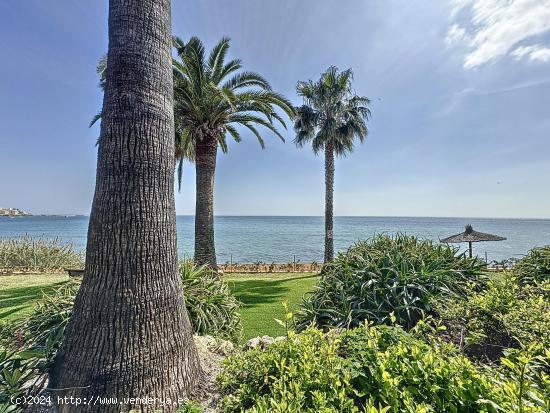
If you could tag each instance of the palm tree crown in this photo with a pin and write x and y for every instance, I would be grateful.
(331, 113)
(212, 98)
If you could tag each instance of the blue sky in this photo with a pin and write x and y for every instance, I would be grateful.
(460, 94)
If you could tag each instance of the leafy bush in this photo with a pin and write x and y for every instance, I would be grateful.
(387, 277)
(38, 254)
(503, 315)
(534, 267)
(299, 374)
(522, 384)
(371, 369)
(212, 308)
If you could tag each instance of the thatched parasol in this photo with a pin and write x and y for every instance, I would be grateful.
(469, 236)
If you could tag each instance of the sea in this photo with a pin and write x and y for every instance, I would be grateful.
(283, 239)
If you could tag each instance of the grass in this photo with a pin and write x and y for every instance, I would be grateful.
(262, 296)
(19, 293)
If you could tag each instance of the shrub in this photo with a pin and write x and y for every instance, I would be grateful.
(534, 267)
(370, 367)
(212, 308)
(36, 254)
(387, 277)
(522, 383)
(503, 315)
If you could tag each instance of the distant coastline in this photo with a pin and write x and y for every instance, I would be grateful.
(13, 212)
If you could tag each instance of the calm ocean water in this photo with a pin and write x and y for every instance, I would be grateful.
(279, 239)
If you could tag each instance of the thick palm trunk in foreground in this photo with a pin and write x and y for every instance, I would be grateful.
(205, 162)
(129, 335)
(329, 202)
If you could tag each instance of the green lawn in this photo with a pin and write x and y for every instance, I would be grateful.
(262, 296)
(18, 293)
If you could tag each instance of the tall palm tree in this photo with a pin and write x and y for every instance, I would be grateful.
(331, 118)
(129, 335)
(212, 97)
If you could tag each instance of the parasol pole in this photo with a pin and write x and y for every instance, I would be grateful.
(470, 248)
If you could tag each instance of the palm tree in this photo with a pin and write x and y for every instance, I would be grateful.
(212, 97)
(129, 334)
(331, 118)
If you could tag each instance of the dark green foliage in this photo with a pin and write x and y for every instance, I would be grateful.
(504, 314)
(37, 254)
(376, 369)
(534, 267)
(387, 277)
(211, 306)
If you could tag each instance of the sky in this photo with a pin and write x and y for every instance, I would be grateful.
(460, 93)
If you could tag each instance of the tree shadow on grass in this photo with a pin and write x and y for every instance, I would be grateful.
(22, 296)
(10, 311)
(255, 293)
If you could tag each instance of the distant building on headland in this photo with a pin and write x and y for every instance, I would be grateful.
(13, 212)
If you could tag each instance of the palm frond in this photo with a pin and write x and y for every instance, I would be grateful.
(95, 119)
(234, 133)
(180, 173)
(216, 59)
(255, 132)
(229, 68)
(222, 143)
(247, 79)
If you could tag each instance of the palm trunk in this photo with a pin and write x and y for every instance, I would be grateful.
(129, 334)
(329, 202)
(205, 163)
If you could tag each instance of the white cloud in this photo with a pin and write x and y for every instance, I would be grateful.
(455, 34)
(535, 52)
(499, 26)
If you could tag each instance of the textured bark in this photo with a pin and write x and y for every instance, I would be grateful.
(205, 163)
(130, 335)
(329, 202)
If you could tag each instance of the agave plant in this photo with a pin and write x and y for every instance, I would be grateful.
(211, 306)
(534, 267)
(387, 280)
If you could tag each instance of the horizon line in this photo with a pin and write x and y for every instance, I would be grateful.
(315, 216)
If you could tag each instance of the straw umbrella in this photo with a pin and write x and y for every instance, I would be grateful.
(470, 236)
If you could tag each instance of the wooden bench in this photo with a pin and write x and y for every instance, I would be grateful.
(75, 272)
